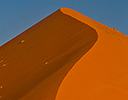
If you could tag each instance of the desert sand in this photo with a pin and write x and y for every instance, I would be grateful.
(66, 56)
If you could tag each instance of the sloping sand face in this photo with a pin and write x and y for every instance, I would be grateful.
(101, 74)
(33, 64)
(66, 56)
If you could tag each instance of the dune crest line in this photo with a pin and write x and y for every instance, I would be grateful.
(102, 73)
(66, 56)
(36, 61)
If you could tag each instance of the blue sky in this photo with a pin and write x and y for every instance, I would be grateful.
(18, 15)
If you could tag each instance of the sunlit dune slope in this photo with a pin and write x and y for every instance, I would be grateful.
(66, 56)
(102, 73)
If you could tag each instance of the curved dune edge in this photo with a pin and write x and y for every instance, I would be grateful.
(37, 60)
(75, 65)
(101, 74)
(94, 24)
(49, 93)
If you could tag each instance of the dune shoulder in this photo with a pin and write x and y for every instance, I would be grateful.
(66, 56)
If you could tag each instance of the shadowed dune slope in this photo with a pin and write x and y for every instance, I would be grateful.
(33, 64)
(66, 56)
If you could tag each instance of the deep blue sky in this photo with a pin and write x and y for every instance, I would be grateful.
(18, 15)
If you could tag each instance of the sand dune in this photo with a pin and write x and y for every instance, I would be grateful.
(66, 56)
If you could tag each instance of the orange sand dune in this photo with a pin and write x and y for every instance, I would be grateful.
(66, 56)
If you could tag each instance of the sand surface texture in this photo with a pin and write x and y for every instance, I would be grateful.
(66, 56)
